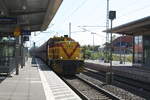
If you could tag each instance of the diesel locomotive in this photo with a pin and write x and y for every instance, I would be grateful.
(62, 54)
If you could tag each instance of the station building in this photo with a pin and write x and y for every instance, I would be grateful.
(123, 45)
(140, 30)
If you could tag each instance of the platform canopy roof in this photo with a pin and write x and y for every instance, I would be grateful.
(138, 27)
(32, 15)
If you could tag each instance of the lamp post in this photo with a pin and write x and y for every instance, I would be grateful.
(107, 34)
(107, 21)
(70, 29)
(120, 49)
(93, 37)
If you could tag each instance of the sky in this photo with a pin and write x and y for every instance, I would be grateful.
(90, 13)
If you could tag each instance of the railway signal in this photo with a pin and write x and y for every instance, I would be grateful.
(109, 74)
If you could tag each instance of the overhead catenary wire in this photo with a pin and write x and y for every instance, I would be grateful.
(135, 11)
(75, 10)
(129, 5)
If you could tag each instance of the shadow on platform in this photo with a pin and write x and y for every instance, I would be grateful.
(43, 66)
(4, 76)
(33, 62)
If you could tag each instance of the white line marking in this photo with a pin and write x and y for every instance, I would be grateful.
(47, 90)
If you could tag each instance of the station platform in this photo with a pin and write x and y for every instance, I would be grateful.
(35, 82)
(126, 69)
(114, 63)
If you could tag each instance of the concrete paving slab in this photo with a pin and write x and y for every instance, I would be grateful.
(25, 86)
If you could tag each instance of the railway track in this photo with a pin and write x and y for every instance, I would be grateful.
(138, 87)
(89, 91)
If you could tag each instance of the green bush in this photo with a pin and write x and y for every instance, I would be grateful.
(128, 58)
(88, 53)
(97, 55)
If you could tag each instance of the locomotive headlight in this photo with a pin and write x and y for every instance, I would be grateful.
(61, 57)
(77, 58)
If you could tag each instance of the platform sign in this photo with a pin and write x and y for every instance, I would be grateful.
(26, 38)
(26, 32)
(17, 32)
(8, 20)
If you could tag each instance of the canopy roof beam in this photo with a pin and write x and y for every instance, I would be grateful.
(27, 12)
(3, 9)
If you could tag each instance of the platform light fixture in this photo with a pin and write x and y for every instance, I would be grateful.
(24, 7)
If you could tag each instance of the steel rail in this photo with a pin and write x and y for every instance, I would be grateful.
(80, 94)
(105, 92)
